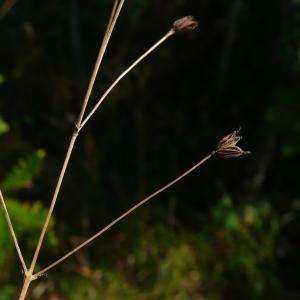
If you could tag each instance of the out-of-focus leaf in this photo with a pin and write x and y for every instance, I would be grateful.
(2, 79)
(28, 220)
(3, 126)
(232, 221)
(7, 292)
(23, 173)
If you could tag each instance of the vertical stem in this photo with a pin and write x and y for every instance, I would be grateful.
(112, 21)
(25, 287)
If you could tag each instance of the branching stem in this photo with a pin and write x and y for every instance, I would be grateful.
(142, 202)
(133, 65)
(111, 23)
(187, 23)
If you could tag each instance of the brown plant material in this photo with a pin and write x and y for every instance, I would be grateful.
(187, 23)
(227, 148)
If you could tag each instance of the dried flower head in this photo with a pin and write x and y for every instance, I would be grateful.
(186, 23)
(227, 148)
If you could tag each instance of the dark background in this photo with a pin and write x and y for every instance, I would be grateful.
(241, 67)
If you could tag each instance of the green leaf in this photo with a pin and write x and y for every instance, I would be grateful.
(23, 172)
(232, 221)
(3, 126)
(28, 219)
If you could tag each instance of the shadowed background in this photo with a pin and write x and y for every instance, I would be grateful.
(230, 230)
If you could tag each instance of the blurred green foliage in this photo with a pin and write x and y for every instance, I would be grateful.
(27, 217)
(3, 126)
(22, 174)
(233, 256)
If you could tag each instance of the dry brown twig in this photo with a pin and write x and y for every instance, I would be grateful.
(12, 232)
(111, 23)
(225, 148)
(187, 23)
(228, 143)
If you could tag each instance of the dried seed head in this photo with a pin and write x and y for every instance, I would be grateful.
(187, 23)
(227, 148)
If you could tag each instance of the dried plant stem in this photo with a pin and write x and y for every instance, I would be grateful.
(12, 232)
(25, 287)
(112, 21)
(124, 215)
(111, 24)
(188, 24)
(28, 274)
(115, 13)
(134, 64)
(51, 208)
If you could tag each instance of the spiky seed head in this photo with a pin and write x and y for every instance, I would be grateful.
(227, 148)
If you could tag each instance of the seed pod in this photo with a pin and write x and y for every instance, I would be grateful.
(187, 23)
(227, 148)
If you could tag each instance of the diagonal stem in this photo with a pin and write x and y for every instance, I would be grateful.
(111, 23)
(100, 232)
(113, 18)
(53, 202)
(12, 232)
(133, 65)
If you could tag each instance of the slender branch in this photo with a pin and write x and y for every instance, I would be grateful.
(100, 232)
(113, 18)
(184, 24)
(187, 23)
(113, 13)
(225, 148)
(53, 202)
(134, 64)
(12, 232)
(25, 287)
(111, 23)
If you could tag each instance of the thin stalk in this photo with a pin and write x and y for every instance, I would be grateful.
(25, 287)
(112, 21)
(118, 4)
(142, 202)
(112, 15)
(12, 232)
(134, 64)
(111, 24)
(53, 202)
